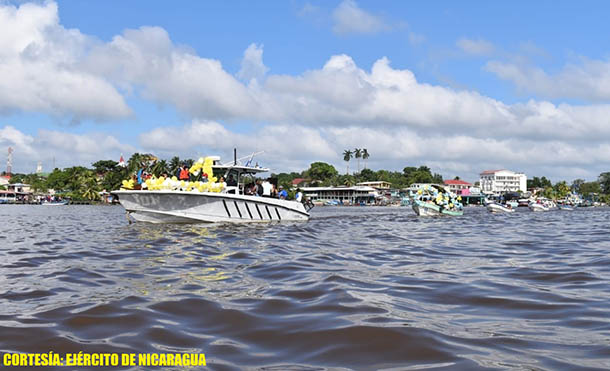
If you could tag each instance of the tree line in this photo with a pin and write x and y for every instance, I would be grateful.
(81, 183)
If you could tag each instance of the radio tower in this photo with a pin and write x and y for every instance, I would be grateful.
(9, 162)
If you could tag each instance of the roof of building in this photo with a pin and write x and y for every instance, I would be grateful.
(340, 188)
(298, 181)
(456, 182)
(490, 171)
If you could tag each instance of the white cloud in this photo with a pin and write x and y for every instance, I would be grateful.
(349, 18)
(476, 47)
(147, 59)
(252, 66)
(588, 80)
(62, 148)
(293, 148)
(305, 117)
(39, 68)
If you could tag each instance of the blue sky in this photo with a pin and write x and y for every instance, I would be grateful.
(460, 86)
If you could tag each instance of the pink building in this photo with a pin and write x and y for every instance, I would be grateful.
(458, 187)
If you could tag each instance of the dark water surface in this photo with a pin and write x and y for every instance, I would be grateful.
(354, 288)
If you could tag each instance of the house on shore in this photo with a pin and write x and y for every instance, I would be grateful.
(354, 195)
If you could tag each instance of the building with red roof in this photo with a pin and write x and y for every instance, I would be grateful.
(458, 186)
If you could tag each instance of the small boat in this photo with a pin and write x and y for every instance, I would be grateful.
(499, 208)
(55, 203)
(566, 207)
(423, 208)
(434, 200)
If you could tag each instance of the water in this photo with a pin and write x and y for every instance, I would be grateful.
(353, 288)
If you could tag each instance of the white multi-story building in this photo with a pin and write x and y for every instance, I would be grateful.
(502, 181)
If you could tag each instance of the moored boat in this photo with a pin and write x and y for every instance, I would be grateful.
(55, 203)
(499, 208)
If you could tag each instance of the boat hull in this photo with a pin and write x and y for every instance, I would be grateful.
(495, 208)
(196, 207)
(538, 207)
(428, 209)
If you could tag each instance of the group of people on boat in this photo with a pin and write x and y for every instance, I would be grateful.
(199, 177)
(439, 197)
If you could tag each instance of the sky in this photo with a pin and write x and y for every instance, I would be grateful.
(461, 87)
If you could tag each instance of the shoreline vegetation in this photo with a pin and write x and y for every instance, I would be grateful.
(85, 184)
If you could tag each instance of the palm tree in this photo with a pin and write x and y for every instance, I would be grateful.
(358, 154)
(159, 168)
(347, 155)
(88, 185)
(174, 164)
(365, 156)
(134, 162)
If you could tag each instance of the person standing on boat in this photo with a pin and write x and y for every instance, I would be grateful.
(267, 188)
(259, 188)
(299, 195)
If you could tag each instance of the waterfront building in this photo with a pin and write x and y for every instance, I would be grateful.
(497, 182)
(459, 187)
(380, 184)
(4, 180)
(417, 186)
(342, 194)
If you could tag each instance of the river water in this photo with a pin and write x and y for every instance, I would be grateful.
(353, 288)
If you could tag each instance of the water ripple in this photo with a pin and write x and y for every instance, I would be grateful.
(354, 288)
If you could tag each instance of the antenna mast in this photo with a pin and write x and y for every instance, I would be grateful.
(9, 161)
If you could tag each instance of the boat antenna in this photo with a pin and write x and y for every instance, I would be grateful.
(239, 160)
(234, 156)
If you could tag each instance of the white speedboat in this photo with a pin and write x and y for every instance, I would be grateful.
(195, 206)
(499, 208)
(55, 203)
(538, 207)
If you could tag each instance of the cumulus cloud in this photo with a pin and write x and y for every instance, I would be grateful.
(476, 47)
(588, 80)
(252, 66)
(293, 148)
(39, 68)
(147, 59)
(303, 117)
(62, 148)
(349, 18)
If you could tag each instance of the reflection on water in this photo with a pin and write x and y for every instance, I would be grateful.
(365, 288)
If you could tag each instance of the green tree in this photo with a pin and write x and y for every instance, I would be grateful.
(104, 166)
(589, 188)
(367, 175)
(174, 164)
(321, 171)
(604, 182)
(57, 180)
(347, 155)
(536, 182)
(576, 185)
(159, 168)
(561, 189)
